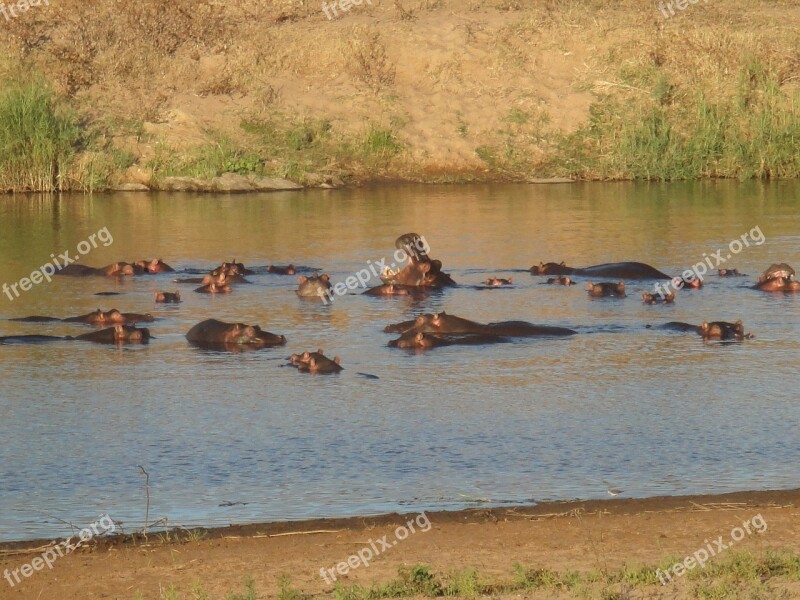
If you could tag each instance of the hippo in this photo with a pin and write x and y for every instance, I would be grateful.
(421, 270)
(729, 273)
(316, 286)
(691, 283)
(606, 289)
(715, 330)
(563, 280)
(214, 288)
(316, 362)
(423, 341)
(658, 298)
(444, 323)
(167, 297)
(113, 270)
(233, 268)
(119, 334)
(98, 317)
(622, 270)
(778, 278)
(153, 266)
(278, 270)
(497, 282)
(392, 289)
(214, 333)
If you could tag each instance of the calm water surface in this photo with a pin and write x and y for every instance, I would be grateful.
(237, 438)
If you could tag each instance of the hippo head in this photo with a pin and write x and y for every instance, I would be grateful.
(414, 245)
(550, 268)
(777, 271)
(113, 316)
(126, 333)
(253, 335)
(412, 340)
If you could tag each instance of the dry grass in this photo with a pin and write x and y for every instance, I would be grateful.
(431, 62)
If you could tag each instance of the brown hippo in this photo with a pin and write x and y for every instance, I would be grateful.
(444, 323)
(423, 341)
(108, 317)
(214, 288)
(153, 266)
(715, 330)
(117, 269)
(98, 317)
(421, 270)
(392, 289)
(119, 334)
(167, 297)
(278, 270)
(563, 280)
(316, 362)
(218, 333)
(729, 273)
(606, 289)
(316, 286)
(497, 282)
(658, 298)
(622, 270)
(722, 330)
(778, 278)
(692, 283)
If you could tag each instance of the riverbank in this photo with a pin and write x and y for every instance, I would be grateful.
(592, 549)
(131, 96)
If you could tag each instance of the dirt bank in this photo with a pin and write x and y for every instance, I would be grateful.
(598, 549)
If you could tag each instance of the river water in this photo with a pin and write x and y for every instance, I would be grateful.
(237, 438)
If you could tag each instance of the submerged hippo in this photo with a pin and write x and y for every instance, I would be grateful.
(316, 362)
(606, 289)
(393, 289)
(622, 270)
(729, 273)
(117, 269)
(98, 317)
(498, 282)
(167, 297)
(214, 333)
(214, 288)
(153, 266)
(423, 341)
(316, 286)
(119, 334)
(778, 278)
(563, 280)
(444, 323)
(658, 298)
(715, 330)
(278, 270)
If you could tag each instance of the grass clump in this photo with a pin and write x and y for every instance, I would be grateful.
(38, 137)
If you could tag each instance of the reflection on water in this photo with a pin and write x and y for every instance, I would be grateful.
(236, 437)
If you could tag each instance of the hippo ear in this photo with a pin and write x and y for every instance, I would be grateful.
(325, 277)
(419, 337)
(621, 285)
(510, 279)
(320, 351)
(563, 264)
(590, 286)
(119, 328)
(306, 355)
(177, 294)
(419, 321)
(337, 359)
(302, 279)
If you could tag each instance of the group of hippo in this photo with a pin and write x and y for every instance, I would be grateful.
(417, 278)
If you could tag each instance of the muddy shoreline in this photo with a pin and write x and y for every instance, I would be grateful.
(478, 515)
